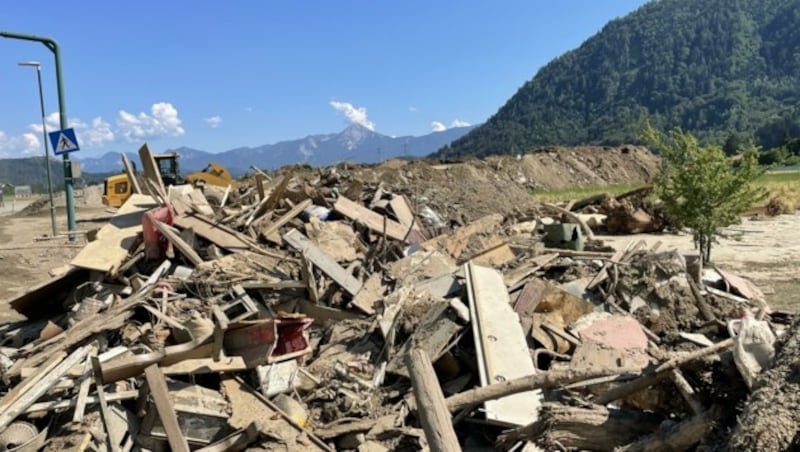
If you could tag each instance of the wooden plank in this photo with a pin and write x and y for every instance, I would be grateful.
(501, 346)
(211, 232)
(151, 172)
(105, 414)
(433, 334)
(42, 300)
(405, 215)
(371, 292)
(250, 406)
(433, 413)
(176, 240)
(260, 179)
(323, 261)
(236, 441)
(207, 366)
(83, 393)
(71, 403)
(371, 219)
(268, 230)
(271, 202)
(129, 171)
(495, 256)
(456, 243)
(514, 277)
(33, 393)
(166, 412)
(115, 239)
(24, 386)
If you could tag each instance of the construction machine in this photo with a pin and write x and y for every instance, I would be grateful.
(118, 188)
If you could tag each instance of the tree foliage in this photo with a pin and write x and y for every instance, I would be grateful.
(703, 189)
(709, 67)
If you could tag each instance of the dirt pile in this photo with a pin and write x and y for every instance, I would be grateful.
(465, 191)
(90, 196)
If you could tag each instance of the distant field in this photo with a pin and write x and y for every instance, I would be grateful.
(783, 183)
(565, 194)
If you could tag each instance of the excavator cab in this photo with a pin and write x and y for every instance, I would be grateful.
(168, 166)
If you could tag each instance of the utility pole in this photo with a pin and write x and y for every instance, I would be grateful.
(38, 67)
(52, 45)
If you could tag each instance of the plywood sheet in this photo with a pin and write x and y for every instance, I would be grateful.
(115, 238)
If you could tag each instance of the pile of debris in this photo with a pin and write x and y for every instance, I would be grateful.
(328, 314)
(632, 212)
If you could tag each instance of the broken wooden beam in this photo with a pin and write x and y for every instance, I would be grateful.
(371, 219)
(166, 412)
(431, 409)
(174, 237)
(131, 173)
(267, 231)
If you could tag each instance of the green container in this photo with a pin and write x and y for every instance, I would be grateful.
(563, 235)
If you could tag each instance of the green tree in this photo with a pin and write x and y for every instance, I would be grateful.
(701, 188)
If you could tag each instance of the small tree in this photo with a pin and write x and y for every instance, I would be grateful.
(702, 189)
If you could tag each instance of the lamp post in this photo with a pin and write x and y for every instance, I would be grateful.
(69, 195)
(38, 66)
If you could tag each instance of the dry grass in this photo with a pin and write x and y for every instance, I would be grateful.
(783, 188)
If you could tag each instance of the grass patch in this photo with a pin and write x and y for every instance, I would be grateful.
(576, 193)
(783, 185)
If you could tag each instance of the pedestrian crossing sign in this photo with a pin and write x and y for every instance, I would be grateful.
(64, 141)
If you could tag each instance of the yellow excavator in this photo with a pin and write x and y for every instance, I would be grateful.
(117, 189)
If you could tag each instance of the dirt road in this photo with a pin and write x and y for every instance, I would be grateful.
(26, 261)
(13, 205)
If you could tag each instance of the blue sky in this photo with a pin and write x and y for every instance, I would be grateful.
(218, 75)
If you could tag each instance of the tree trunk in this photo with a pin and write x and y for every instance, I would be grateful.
(601, 429)
(771, 417)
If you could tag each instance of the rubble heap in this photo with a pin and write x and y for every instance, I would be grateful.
(327, 313)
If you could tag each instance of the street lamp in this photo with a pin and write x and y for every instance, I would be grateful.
(38, 67)
(52, 46)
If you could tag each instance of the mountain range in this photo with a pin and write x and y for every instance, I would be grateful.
(354, 144)
(724, 70)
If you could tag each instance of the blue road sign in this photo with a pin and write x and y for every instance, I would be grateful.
(64, 141)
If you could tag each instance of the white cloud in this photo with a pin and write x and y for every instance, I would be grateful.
(95, 134)
(21, 145)
(213, 121)
(355, 115)
(412, 109)
(249, 109)
(162, 121)
(438, 126)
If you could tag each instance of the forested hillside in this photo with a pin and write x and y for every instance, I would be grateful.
(726, 70)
